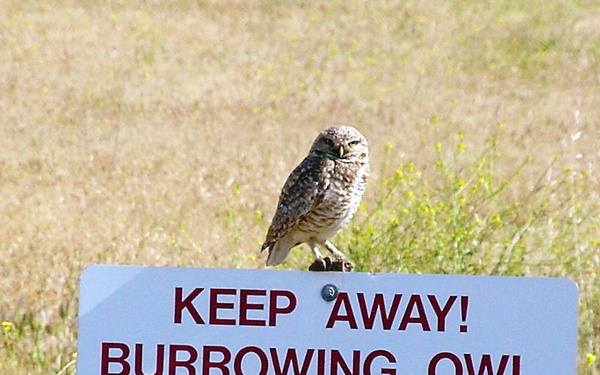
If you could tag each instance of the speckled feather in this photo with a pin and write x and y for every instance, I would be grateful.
(303, 190)
(321, 194)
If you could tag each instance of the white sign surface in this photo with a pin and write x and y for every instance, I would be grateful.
(180, 321)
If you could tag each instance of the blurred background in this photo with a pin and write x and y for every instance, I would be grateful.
(160, 133)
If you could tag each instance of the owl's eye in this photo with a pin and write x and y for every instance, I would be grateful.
(328, 142)
(353, 143)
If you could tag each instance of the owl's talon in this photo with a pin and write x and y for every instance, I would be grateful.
(341, 265)
(320, 265)
(348, 266)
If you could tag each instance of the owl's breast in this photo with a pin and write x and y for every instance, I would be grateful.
(344, 191)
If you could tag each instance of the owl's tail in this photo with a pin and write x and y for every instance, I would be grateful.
(277, 253)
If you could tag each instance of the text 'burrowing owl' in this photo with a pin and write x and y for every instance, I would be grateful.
(320, 196)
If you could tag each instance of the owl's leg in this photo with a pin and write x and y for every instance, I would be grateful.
(336, 253)
(340, 262)
(320, 263)
(315, 250)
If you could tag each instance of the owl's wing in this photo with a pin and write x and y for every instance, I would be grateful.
(303, 190)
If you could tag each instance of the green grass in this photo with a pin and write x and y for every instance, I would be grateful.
(463, 217)
(160, 133)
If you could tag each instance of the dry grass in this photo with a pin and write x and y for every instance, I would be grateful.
(160, 133)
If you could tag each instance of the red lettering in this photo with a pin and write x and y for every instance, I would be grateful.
(421, 318)
(464, 308)
(516, 365)
(291, 360)
(378, 305)
(485, 366)
(252, 360)
(139, 360)
(379, 353)
(106, 359)
(321, 362)
(432, 369)
(187, 304)
(280, 302)
(215, 305)
(174, 362)
(264, 363)
(208, 363)
(338, 361)
(245, 306)
(275, 309)
(335, 316)
(441, 313)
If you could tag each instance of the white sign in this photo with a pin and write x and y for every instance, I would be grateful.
(185, 321)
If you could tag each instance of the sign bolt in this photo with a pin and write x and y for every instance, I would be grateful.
(329, 292)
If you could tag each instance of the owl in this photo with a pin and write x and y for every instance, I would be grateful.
(319, 197)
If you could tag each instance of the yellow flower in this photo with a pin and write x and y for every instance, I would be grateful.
(590, 358)
(7, 326)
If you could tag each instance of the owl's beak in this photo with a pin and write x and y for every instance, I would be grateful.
(342, 151)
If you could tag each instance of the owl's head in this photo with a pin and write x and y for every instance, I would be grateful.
(341, 142)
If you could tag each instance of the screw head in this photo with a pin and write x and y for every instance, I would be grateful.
(329, 292)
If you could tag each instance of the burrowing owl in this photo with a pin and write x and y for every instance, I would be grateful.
(320, 195)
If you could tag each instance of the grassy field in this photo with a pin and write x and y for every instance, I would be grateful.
(160, 133)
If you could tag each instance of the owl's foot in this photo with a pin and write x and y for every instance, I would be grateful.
(320, 265)
(335, 265)
(341, 265)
